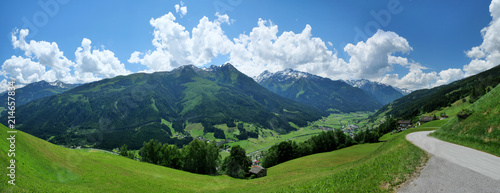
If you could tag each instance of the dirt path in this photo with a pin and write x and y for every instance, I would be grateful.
(454, 168)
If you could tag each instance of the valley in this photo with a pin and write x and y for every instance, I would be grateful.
(360, 163)
(47, 167)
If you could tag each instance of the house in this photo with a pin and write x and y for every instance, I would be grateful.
(404, 124)
(258, 171)
(425, 119)
(443, 116)
(354, 127)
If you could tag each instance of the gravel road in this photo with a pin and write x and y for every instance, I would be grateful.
(454, 168)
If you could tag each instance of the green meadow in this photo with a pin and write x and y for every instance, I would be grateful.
(45, 167)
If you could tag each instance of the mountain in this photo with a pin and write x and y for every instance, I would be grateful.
(428, 100)
(403, 91)
(323, 93)
(135, 108)
(383, 93)
(36, 90)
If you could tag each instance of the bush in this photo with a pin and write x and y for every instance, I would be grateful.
(464, 113)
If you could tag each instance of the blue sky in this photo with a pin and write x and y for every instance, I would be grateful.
(406, 43)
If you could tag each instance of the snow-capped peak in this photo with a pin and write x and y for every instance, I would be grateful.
(58, 83)
(263, 76)
(283, 75)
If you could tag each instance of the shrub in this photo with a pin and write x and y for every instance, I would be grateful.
(464, 113)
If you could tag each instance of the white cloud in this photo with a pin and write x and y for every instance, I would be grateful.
(449, 75)
(3, 85)
(23, 70)
(47, 54)
(91, 65)
(398, 60)
(415, 79)
(181, 9)
(486, 55)
(371, 59)
(44, 61)
(175, 46)
(263, 50)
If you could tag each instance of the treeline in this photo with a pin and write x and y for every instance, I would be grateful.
(197, 157)
(324, 142)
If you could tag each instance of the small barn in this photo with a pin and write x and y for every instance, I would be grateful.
(258, 171)
(425, 119)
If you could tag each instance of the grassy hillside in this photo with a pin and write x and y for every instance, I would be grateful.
(44, 167)
(428, 100)
(481, 130)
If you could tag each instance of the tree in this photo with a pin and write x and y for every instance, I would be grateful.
(124, 150)
(271, 157)
(201, 157)
(150, 151)
(237, 164)
(287, 150)
(219, 133)
(171, 157)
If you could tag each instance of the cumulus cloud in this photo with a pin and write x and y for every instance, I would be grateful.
(46, 54)
(44, 61)
(175, 46)
(486, 55)
(449, 75)
(23, 70)
(181, 9)
(370, 59)
(418, 79)
(91, 65)
(415, 79)
(263, 49)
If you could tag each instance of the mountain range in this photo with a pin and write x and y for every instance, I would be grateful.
(36, 90)
(323, 93)
(383, 93)
(133, 109)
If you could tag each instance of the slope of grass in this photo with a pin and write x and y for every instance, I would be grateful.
(430, 125)
(44, 167)
(481, 130)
